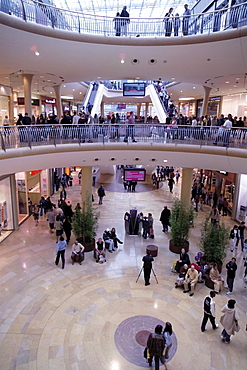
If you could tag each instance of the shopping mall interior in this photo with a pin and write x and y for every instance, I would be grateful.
(99, 316)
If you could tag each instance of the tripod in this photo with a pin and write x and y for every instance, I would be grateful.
(153, 273)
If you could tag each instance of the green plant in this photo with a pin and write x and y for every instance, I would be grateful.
(214, 241)
(85, 222)
(181, 220)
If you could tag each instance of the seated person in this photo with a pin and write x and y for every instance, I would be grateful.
(99, 250)
(191, 279)
(108, 240)
(198, 269)
(115, 238)
(181, 276)
(214, 275)
(184, 259)
(77, 250)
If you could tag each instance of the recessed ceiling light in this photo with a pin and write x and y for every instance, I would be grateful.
(237, 78)
(181, 90)
(234, 85)
(41, 76)
(173, 78)
(227, 82)
(50, 92)
(122, 61)
(80, 92)
(99, 77)
(194, 87)
(64, 85)
(165, 160)
(48, 80)
(73, 90)
(36, 83)
(37, 53)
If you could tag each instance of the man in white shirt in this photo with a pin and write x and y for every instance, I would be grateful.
(209, 311)
(227, 130)
(77, 252)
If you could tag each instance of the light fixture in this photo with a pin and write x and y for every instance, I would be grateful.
(227, 82)
(194, 87)
(80, 92)
(36, 53)
(64, 85)
(73, 90)
(122, 61)
(165, 160)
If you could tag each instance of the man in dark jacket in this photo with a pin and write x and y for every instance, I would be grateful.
(209, 311)
(101, 194)
(231, 272)
(164, 218)
(147, 267)
(156, 345)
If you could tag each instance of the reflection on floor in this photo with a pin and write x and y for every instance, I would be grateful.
(67, 319)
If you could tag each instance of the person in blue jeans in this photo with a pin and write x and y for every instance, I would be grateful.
(60, 251)
(229, 320)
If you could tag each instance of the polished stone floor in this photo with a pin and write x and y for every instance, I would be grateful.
(73, 318)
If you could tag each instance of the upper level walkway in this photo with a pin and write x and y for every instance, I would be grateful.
(204, 23)
(36, 147)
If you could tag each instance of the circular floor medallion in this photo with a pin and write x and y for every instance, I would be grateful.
(131, 337)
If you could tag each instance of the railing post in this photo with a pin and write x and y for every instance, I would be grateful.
(2, 142)
(24, 12)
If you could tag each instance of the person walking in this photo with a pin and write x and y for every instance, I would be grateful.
(186, 18)
(147, 267)
(60, 251)
(167, 333)
(36, 214)
(209, 311)
(171, 182)
(117, 24)
(229, 321)
(165, 218)
(101, 194)
(231, 273)
(156, 345)
(125, 21)
(234, 237)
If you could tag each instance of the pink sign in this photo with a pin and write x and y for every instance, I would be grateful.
(134, 175)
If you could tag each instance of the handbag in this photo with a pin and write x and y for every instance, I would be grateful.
(236, 326)
(146, 353)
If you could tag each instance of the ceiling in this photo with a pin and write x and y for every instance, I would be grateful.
(136, 8)
(216, 60)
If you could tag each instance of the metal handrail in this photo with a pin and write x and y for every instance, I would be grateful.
(203, 23)
(38, 135)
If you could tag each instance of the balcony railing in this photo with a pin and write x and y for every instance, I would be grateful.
(204, 23)
(31, 136)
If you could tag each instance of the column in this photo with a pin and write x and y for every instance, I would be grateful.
(207, 90)
(57, 89)
(27, 82)
(138, 111)
(86, 183)
(235, 197)
(14, 202)
(102, 109)
(146, 111)
(11, 107)
(186, 185)
(219, 112)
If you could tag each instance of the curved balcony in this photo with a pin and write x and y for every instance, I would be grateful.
(31, 136)
(33, 11)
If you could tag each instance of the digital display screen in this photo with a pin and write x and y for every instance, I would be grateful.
(121, 106)
(134, 174)
(134, 89)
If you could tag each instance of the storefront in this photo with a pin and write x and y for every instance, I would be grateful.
(48, 106)
(241, 207)
(7, 206)
(4, 102)
(19, 105)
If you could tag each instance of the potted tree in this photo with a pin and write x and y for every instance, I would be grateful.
(213, 242)
(85, 224)
(181, 220)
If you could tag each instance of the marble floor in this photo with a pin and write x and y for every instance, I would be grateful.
(93, 316)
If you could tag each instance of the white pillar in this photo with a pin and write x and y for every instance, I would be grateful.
(146, 111)
(86, 183)
(207, 90)
(57, 89)
(27, 82)
(11, 107)
(187, 176)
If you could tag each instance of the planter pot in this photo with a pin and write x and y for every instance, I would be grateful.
(173, 248)
(89, 246)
